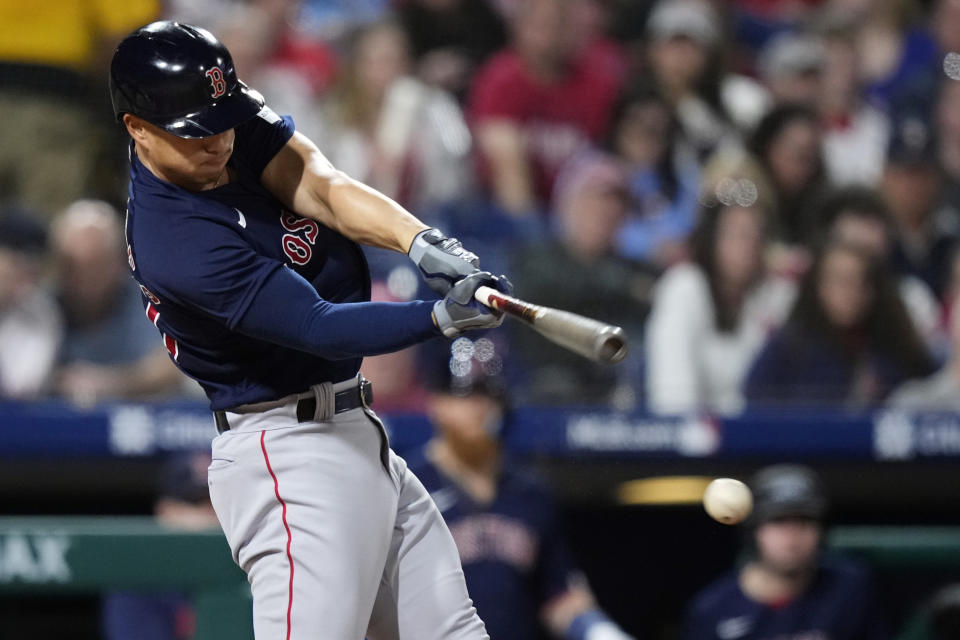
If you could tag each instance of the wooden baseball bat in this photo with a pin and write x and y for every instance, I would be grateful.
(590, 338)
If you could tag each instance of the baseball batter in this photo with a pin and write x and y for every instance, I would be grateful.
(243, 239)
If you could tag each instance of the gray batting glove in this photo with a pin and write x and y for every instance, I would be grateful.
(459, 311)
(442, 261)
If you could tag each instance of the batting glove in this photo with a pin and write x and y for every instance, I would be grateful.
(459, 311)
(442, 261)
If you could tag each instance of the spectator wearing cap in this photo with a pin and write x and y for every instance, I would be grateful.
(791, 67)
(30, 323)
(108, 351)
(182, 504)
(519, 573)
(685, 58)
(788, 587)
(927, 228)
(712, 314)
(579, 270)
(535, 104)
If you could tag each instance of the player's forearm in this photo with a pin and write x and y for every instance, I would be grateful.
(365, 215)
(304, 180)
(288, 312)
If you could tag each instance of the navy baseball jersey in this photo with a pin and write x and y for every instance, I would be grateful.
(839, 605)
(513, 555)
(252, 300)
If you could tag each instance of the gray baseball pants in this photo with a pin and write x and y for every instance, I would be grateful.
(338, 539)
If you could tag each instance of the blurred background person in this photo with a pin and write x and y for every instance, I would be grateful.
(30, 324)
(450, 39)
(788, 587)
(381, 125)
(855, 131)
(788, 144)
(579, 270)
(896, 51)
(685, 57)
(662, 179)
(182, 504)
(928, 228)
(848, 341)
(711, 315)
(536, 103)
(940, 391)
(519, 573)
(791, 68)
(947, 140)
(108, 351)
(859, 215)
(53, 70)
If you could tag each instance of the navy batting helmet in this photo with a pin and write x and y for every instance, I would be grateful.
(181, 79)
(787, 490)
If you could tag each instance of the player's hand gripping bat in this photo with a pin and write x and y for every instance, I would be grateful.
(590, 338)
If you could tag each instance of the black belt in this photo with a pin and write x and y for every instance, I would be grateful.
(360, 395)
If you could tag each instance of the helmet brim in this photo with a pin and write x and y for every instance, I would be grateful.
(231, 110)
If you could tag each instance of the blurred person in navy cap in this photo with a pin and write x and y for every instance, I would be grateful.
(518, 570)
(30, 323)
(927, 228)
(183, 503)
(788, 587)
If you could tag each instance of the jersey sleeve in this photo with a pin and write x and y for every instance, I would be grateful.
(259, 139)
(206, 267)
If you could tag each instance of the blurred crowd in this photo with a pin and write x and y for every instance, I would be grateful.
(764, 193)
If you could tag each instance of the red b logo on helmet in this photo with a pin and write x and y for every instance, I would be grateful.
(216, 79)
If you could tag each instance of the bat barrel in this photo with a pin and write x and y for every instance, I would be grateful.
(592, 339)
(611, 344)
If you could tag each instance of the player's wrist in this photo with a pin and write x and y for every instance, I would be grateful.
(442, 261)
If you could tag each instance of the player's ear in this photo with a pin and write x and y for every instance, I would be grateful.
(136, 127)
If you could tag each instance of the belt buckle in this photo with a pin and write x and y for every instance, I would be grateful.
(366, 393)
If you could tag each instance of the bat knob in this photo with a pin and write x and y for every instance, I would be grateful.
(611, 344)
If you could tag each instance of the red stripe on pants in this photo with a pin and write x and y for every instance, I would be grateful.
(276, 490)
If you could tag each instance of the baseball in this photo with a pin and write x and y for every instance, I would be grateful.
(728, 501)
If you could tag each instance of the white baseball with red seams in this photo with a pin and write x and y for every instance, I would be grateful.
(287, 491)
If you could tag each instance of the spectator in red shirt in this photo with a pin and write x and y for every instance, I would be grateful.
(534, 104)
